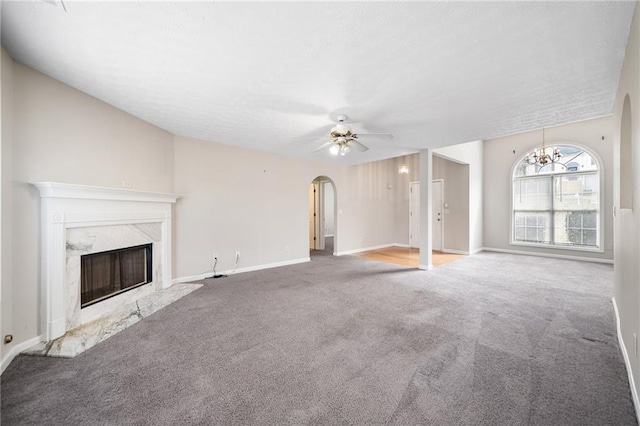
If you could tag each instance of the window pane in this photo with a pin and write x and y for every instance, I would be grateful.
(576, 192)
(577, 160)
(574, 236)
(575, 228)
(531, 234)
(536, 228)
(590, 220)
(590, 238)
(573, 220)
(532, 194)
(573, 159)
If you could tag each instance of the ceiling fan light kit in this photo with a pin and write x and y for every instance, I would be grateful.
(342, 139)
(340, 149)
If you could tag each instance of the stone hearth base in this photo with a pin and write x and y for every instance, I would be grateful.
(90, 334)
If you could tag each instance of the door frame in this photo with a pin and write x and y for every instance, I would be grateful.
(441, 181)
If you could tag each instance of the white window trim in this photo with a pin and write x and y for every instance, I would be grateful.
(601, 235)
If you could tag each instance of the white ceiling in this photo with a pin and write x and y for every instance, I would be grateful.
(261, 75)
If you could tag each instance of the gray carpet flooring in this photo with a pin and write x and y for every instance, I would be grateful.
(489, 339)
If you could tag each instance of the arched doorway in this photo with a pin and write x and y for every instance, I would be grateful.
(322, 216)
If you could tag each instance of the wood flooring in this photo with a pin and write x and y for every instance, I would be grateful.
(407, 256)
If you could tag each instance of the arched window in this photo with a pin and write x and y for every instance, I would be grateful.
(558, 204)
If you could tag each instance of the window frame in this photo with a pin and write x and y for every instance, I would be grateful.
(600, 230)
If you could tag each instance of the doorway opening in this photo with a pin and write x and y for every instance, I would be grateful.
(440, 255)
(322, 217)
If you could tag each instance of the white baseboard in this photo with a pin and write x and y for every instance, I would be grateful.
(190, 278)
(558, 256)
(475, 251)
(240, 270)
(627, 363)
(15, 350)
(360, 250)
(452, 251)
(401, 245)
(269, 265)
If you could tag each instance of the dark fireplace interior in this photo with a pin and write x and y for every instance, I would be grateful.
(108, 273)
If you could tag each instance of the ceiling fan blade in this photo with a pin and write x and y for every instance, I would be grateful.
(359, 146)
(375, 135)
(308, 138)
(324, 145)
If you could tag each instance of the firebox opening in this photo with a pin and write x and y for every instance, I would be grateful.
(109, 273)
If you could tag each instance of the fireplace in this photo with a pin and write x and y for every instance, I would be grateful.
(78, 220)
(109, 273)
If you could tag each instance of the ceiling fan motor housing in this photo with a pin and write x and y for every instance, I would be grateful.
(340, 130)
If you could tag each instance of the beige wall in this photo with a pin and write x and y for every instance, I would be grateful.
(236, 199)
(500, 156)
(368, 202)
(627, 221)
(401, 233)
(6, 305)
(61, 134)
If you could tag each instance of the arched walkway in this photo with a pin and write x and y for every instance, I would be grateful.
(322, 216)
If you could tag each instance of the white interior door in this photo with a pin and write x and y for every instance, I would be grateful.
(437, 217)
(414, 214)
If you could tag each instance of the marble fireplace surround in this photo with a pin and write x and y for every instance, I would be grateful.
(79, 219)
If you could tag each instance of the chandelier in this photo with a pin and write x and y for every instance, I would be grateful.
(540, 156)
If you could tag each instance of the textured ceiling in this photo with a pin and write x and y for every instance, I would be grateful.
(264, 75)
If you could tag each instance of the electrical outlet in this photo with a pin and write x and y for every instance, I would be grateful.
(126, 184)
(286, 248)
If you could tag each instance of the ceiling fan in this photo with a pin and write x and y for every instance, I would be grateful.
(342, 139)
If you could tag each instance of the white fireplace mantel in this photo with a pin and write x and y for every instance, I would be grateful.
(65, 206)
(68, 190)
